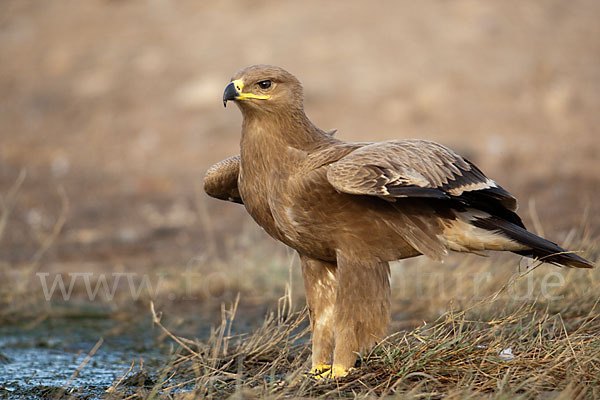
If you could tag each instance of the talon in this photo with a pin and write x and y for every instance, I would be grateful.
(325, 371)
(320, 368)
(320, 371)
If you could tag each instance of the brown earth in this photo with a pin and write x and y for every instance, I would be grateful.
(118, 103)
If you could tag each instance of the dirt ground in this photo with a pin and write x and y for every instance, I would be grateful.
(114, 107)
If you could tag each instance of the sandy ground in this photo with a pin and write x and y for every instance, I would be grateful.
(117, 104)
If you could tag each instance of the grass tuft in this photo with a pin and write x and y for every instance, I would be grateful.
(525, 352)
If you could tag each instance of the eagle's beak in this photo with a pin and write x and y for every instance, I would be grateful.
(233, 91)
(230, 93)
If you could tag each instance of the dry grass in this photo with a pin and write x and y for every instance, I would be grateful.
(462, 354)
(502, 345)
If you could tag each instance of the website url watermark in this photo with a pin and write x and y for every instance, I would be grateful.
(103, 286)
(194, 285)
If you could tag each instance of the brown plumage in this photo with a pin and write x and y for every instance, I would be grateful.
(351, 208)
(221, 180)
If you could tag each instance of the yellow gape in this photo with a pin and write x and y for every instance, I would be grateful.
(239, 85)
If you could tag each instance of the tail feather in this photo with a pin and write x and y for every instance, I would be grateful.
(538, 247)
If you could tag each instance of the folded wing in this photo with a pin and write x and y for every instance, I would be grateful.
(419, 168)
(221, 180)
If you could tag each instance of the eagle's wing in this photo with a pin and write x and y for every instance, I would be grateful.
(221, 180)
(418, 168)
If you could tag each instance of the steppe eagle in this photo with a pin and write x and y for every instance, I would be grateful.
(349, 209)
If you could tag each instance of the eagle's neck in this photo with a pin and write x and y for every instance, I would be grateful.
(271, 148)
(282, 130)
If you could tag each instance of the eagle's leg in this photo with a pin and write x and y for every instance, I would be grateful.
(362, 309)
(320, 284)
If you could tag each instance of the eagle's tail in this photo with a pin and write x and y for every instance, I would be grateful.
(535, 246)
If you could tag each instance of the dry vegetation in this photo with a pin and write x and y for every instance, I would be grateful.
(455, 356)
(500, 346)
(111, 113)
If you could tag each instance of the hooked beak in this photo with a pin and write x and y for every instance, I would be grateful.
(233, 91)
(230, 93)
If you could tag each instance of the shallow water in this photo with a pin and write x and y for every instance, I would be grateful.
(35, 361)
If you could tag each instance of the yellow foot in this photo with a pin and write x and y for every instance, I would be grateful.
(340, 372)
(320, 368)
(324, 371)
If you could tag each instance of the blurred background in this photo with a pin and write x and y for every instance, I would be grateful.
(114, 107)
(111, 112)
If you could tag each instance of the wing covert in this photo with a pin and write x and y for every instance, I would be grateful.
(413, 168)
(221, 180)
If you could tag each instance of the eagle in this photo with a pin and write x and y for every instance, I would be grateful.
(349, 209)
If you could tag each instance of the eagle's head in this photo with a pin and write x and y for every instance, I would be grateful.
(264, 88)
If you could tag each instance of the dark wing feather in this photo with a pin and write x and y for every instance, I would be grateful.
(419, 168)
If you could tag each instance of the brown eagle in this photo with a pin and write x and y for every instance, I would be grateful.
(349, 209)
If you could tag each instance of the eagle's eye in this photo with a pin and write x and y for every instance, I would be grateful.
(264, 85)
